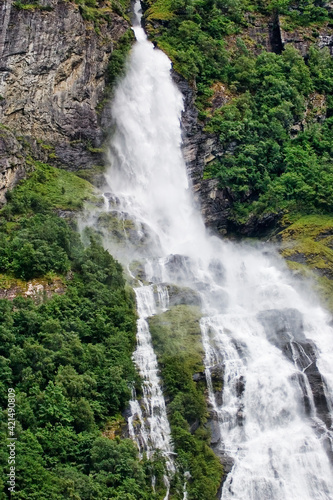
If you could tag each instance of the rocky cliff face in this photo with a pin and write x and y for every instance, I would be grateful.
(199, 148)
(52, 77)
(12, 162)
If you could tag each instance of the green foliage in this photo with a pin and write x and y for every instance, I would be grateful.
(39, 245)
(268, 170)
(306, 244)
(116, 66)
(49, 187)
(68, 357)
(98, 11)
(27, 5)
(301, 12)
(277, 145)
(177, 341)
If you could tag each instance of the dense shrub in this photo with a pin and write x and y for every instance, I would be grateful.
(276, 141)
(69, 359)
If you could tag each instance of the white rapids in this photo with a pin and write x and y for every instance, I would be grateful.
(272, 342)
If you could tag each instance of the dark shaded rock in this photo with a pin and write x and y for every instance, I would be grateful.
(76, 156)
(240, 416)
(284, 329)
(199, 377)
(326, 40)
(302, 38)
(216, 373)
(12, 162)
(214, 430)
(69, 215)
(217, 446)
(275, 35)
(240, 386)
(282, 326)
(194, 426)
(227, 463)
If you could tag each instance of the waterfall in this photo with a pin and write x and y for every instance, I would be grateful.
(270, 342)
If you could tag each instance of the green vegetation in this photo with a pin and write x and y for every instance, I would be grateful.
(116, 67)
(51, 187)
(270, 170)
(177, 341)
(68, 356)
(28, 5)
(307, 246)
(98, 11)
(275, 130)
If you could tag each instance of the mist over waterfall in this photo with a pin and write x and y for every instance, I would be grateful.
(272, 343)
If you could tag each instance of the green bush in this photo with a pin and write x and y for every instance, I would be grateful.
(269, 115)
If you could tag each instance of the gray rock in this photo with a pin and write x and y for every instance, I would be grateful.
(284, 329)
(199, 377)
(179, 268)
(12, 162)
(52, 77)
(182, 296)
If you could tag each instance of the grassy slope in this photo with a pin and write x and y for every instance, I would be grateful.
(61, 189)
(307, 246)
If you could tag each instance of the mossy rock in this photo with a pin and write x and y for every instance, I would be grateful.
(180, 295)
(116, 223)
(177, 333)
(117, 227)
(307, 246)
(61, 189)
(138, 273)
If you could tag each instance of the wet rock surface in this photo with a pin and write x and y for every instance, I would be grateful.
(284, 329)
(179, 268)
(181, 295)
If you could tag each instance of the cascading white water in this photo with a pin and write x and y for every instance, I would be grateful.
(274, 346)
(152, 432)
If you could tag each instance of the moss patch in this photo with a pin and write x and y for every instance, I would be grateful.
(162, 10)
(59, 188)
(177, 333)
(307, 246)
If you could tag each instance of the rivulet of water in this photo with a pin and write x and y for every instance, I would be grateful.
(272, 345)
